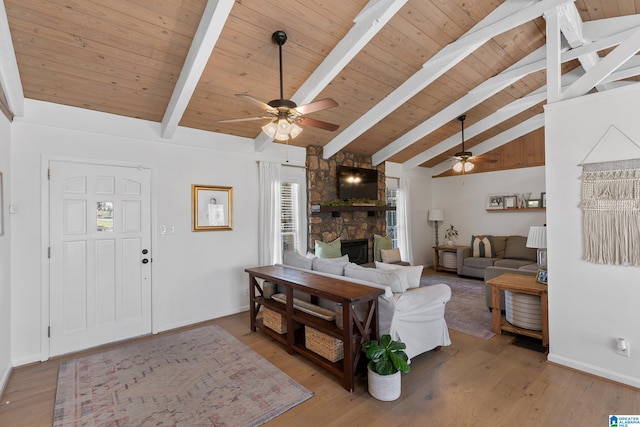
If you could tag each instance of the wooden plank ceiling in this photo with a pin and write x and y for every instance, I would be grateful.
(125, 57)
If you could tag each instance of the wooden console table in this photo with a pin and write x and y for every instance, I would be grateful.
(436, 257)
(525, 285)
(354, 332)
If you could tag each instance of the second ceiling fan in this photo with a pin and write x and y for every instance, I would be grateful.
(284, 115)
(465, 159)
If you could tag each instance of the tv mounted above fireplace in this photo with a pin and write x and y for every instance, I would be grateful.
(357, 183)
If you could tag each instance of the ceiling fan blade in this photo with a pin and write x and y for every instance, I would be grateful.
(323, 104)
(480, 159)
(254, 101)
(246, 119)
(307, 121)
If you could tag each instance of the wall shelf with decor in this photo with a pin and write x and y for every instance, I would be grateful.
(517, 210)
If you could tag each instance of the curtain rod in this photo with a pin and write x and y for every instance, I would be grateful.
(287, 164)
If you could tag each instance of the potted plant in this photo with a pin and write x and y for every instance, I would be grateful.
(450, 233)
(387, 360)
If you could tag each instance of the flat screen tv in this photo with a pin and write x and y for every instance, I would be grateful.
(357, 183)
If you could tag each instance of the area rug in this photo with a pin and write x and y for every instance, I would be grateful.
(199, 377)
(467, 310)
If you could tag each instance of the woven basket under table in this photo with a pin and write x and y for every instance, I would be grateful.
(274, 321)
(326, 346)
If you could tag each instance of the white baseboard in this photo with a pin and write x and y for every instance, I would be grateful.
(594, 370)
(170, 326)
(4, 380)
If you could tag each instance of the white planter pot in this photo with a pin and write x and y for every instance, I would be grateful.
(384, 387)
(449, 242)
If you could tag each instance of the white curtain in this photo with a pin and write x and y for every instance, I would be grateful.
(269, 238)
(404, 221)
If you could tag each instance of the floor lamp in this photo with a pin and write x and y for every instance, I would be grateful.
(436, 215)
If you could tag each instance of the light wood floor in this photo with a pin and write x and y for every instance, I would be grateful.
(473, 382)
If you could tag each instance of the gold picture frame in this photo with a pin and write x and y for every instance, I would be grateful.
(542, 276)
(212, 208)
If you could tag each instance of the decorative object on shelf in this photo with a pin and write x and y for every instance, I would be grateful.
(522, 200)
(211, 207)
(436, 215)
(537, 238)
(450, 233)
(533, 203)
(542, 276)
(511, 202)
(495, 201)
(355, 202)
(387, 360)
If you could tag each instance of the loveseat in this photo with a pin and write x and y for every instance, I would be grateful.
(495, 251)
(408, 312)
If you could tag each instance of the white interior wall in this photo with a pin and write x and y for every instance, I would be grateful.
(590, 305)
(5, 258)
(196, 275)
(464, 200)
(419, 200)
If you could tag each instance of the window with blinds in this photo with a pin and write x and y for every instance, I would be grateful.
(289, 215)
(392, 218)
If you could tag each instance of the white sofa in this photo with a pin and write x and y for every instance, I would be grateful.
(414, 316)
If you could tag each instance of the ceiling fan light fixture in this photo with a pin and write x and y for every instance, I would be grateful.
(295, 130)
(458, 166)
(468, 166)
(270, 129)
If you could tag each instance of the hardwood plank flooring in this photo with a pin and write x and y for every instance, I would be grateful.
(472, 382)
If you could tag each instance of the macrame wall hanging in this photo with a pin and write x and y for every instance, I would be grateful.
(611, 210)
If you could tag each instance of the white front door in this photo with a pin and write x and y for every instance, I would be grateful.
(100, 254)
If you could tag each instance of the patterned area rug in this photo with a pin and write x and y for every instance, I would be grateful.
(200, 377)
(467, 311)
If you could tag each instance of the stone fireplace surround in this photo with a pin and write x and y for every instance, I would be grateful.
(322, 187)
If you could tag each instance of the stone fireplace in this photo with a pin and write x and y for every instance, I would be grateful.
(357, 249)
(322, 185)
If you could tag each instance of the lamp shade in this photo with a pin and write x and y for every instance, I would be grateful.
(537, 237)
(436, 215)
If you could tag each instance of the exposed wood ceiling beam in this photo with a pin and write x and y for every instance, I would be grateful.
(211, 24)
(9, 74)
(367, 24)
(609, 64)
(508, 15)
(613, 35)
(629, 69)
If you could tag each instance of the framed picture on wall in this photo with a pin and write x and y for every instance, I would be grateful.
(510, 202)
(495, 201)
(212, 207)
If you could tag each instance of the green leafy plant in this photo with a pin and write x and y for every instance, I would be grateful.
(387, 356)
(450, 232)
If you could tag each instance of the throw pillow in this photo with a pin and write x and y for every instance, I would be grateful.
(379, 243)
(295, 259)
(331, 265)
(482, 246)
(394, 279)
(414, 272)
(328, 250)
(390, 255)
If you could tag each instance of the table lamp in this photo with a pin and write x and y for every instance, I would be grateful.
(436, 215)
(538, 239)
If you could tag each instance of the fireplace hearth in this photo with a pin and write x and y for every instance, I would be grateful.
(357, 249)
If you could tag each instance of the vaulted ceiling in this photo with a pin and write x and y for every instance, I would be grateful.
(401, 71)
